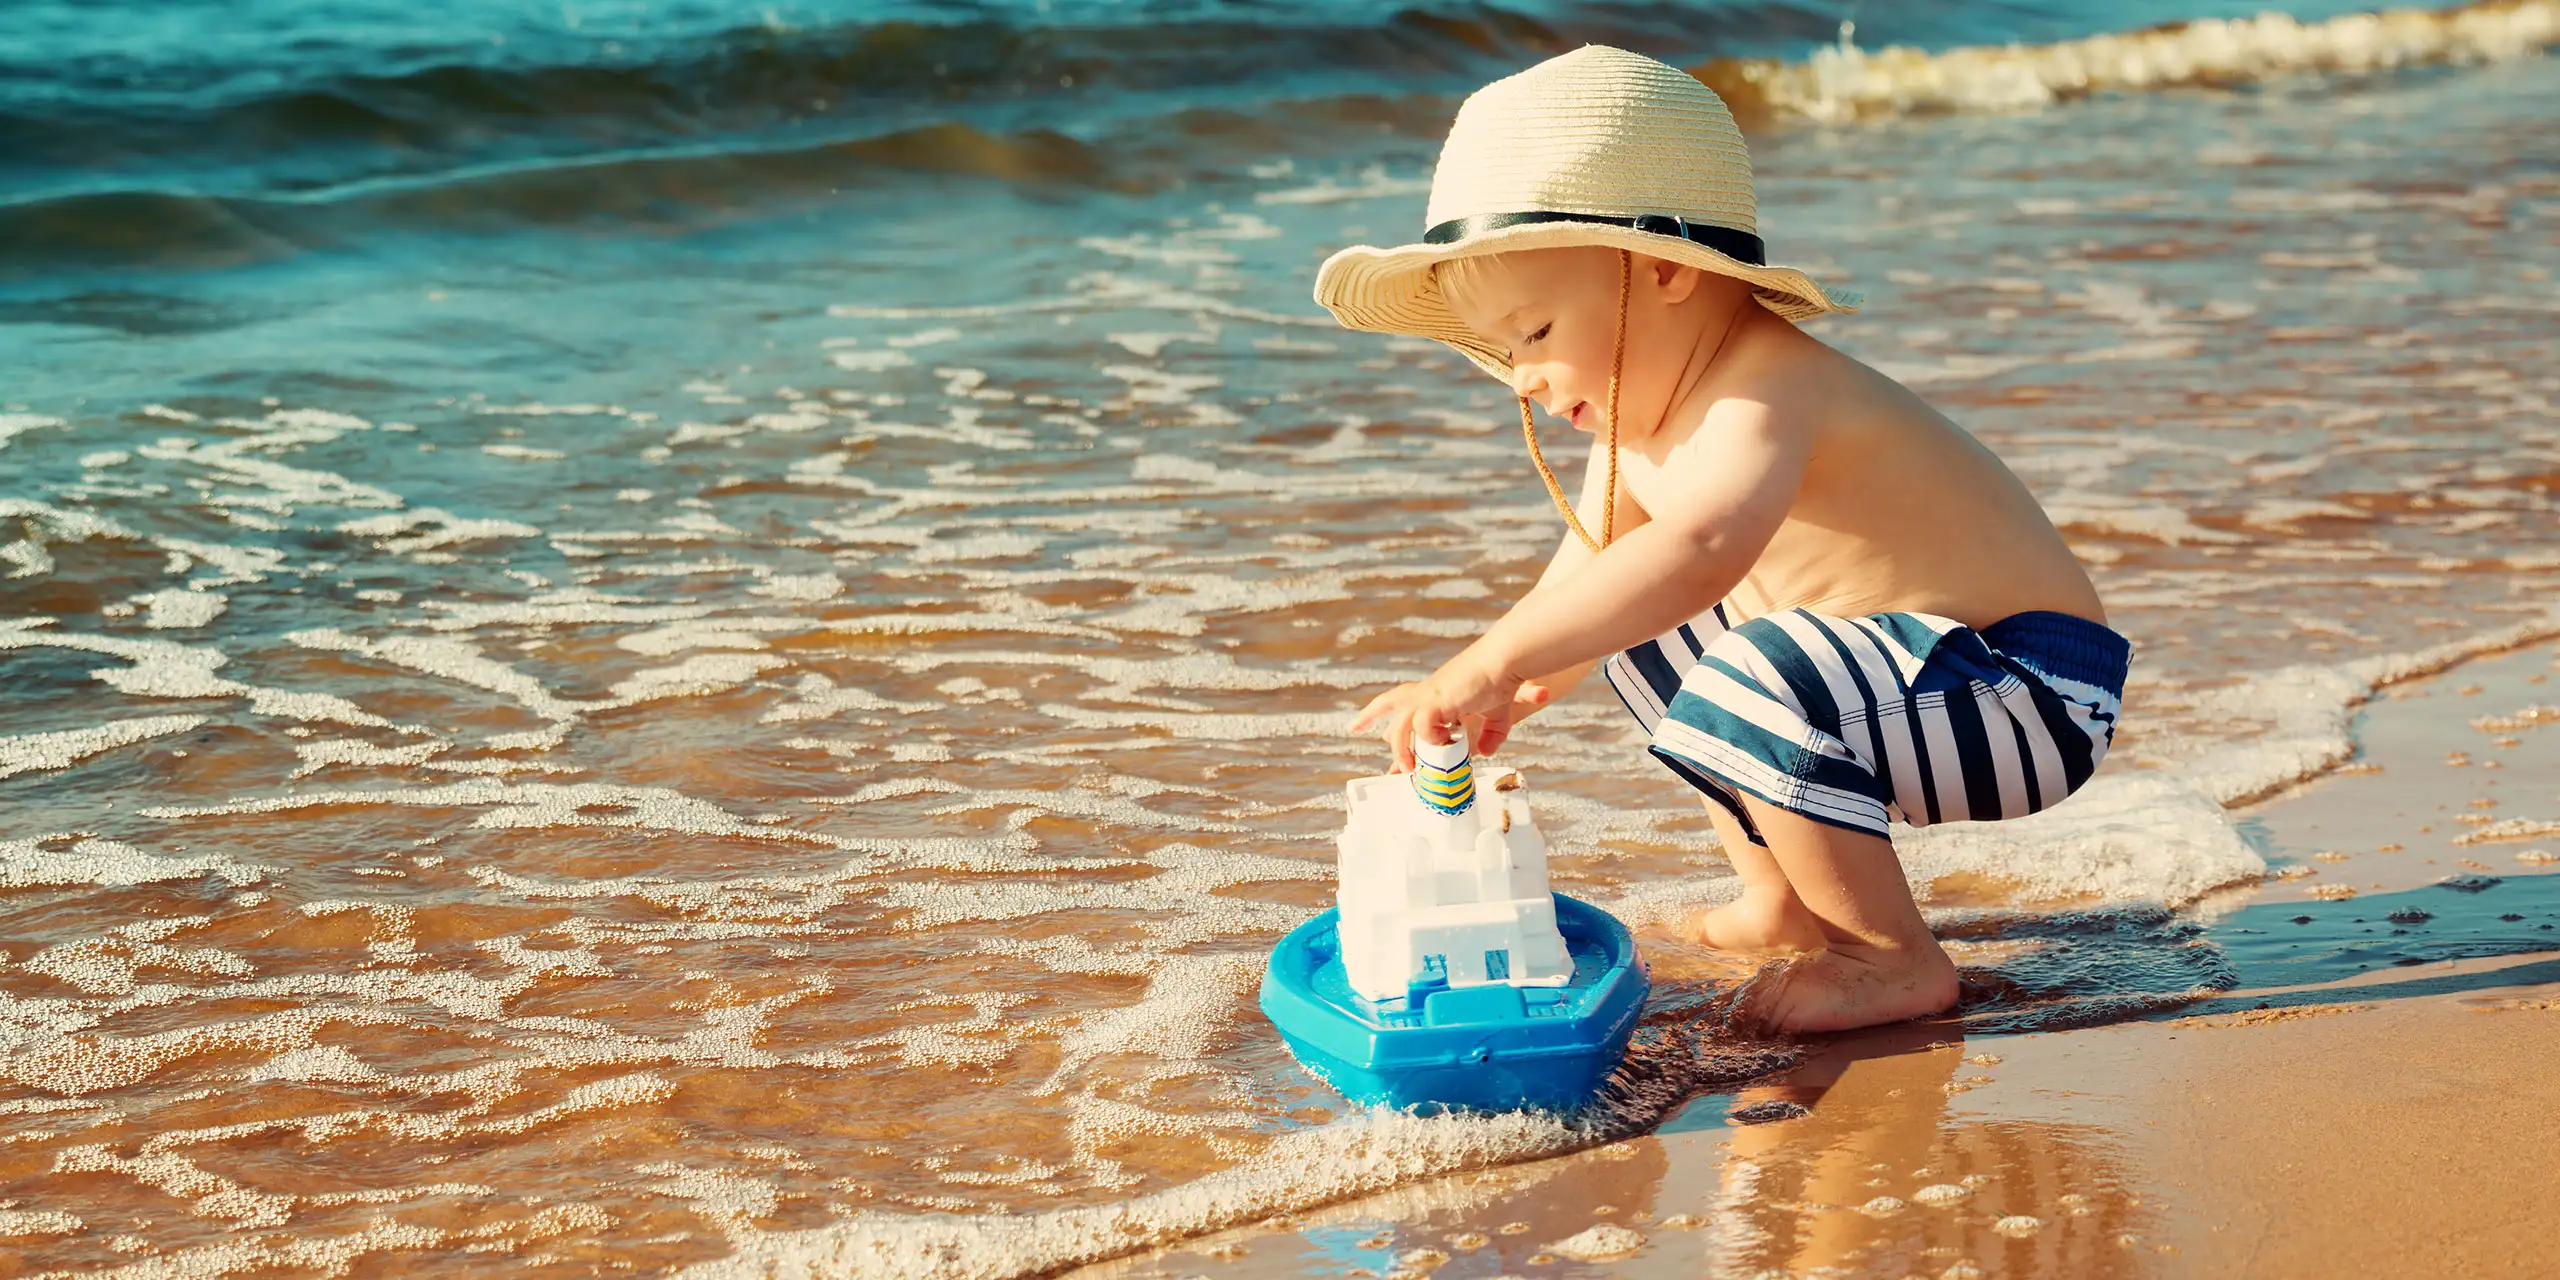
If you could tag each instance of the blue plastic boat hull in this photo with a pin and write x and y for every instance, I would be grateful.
(1487, 1048)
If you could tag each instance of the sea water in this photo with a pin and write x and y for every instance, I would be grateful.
(635, 638)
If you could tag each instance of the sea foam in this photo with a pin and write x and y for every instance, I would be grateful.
(1845, 82)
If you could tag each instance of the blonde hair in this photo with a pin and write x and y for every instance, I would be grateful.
(1457, 276)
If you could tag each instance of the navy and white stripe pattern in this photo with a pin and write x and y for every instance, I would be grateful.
(1895, 717)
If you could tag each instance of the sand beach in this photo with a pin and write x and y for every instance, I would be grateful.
(2387, 1122)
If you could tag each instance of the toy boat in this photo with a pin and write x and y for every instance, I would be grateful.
(1448, 975)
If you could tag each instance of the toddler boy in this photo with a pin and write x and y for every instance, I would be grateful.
(1828, 606)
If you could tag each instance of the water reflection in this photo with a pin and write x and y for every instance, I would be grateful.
(1882, 1170)
(1885, 1175)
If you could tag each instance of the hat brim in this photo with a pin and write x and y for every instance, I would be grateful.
(1394, 291)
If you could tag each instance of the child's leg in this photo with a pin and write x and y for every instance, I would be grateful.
(1880, 963)
(1768, 916)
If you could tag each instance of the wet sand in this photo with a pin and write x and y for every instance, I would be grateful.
(2412, 1128)
(2394, 1119)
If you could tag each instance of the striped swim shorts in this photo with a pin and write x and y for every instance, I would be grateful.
(1894, 717)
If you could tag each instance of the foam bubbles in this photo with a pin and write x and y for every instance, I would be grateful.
(1845, 82)
(817, 697)
(13, 425)
(2123, 837)
(21, 1223)
(1189, 1008)
(166, 669)
(433, 529)
(454, 660)
(61, 750)
(1598, 1243)
(64, 860)
(181, 610)
(700, 674)
(1370, 1151)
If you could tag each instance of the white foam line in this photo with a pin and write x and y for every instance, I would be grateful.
(2103, 514)
(13, 425)
(1844, 82)
(534, 805)
(227, 459)
(2314, 710)
(558, 608)
(331, 1255)
(17, 1224)
(703, 673)
(2124, 837)
(29, 864)
(1369, 1151)
(538, 410)
(167, 669)
(818, 698)
(528, 805)
(1181, 904)
(430, 528)
(1253, 731)
(959, 432)
(912, 624)
(904, 502)
(316, 756)
(1068, 802)
(181, 610)
(452, 660)
(70, 746)
(237, 564)
(54, 524)
(721, 633)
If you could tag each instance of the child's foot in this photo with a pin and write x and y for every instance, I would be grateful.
(1759, 922)
(1859, 986)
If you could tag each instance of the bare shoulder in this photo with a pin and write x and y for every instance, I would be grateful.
(1799, 376)
(1839, 403)
(1773, 381)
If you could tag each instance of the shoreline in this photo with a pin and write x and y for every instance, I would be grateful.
(2354, 1110)
(2175, 1147)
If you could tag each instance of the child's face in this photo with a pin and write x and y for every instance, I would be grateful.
(1556, 312)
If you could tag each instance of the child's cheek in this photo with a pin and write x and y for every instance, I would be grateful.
(1591, 372)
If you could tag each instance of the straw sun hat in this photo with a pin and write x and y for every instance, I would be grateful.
(1595, 147)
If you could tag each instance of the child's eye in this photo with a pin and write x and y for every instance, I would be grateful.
(1542, 331)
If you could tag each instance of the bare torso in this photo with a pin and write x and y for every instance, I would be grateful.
(1900, 509)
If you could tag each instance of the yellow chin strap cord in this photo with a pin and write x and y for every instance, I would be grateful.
(1528, 428)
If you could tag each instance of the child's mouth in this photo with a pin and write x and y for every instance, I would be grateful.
(1574, 414)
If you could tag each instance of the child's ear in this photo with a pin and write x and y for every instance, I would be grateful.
(1676, 281)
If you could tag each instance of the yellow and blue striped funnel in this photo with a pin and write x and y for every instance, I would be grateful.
(1443, 775)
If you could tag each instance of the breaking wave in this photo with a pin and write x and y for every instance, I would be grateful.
(753, 122)
(1844, 82)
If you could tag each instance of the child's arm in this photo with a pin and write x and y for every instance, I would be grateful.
(1729, 487)
(1560, 683)
(1735, 478)
(1571, 556)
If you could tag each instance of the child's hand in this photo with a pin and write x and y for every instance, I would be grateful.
(1494, 728)
(1459, 696)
